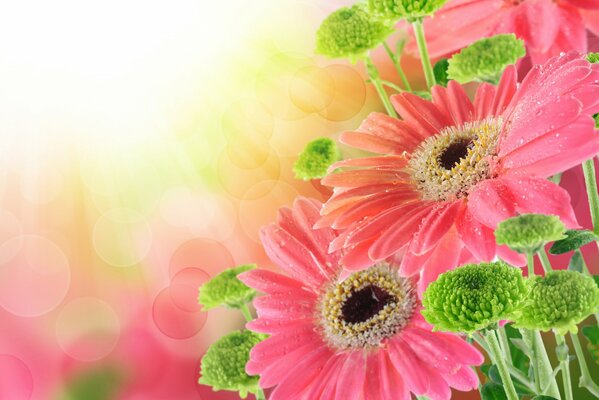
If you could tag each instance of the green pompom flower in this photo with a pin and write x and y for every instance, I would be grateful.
(485, 59)
(473, 297)
(528, 233)
(316, 158)
(223, 365)
(411, 10)
(226, 289)
(350, 32)
(593, 58)
(559, 300)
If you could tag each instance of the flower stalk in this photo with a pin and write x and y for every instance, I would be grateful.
(396, 62)
(563, 357)
(543, 371)
(375, 78)
(588, 167)
(498, 357)
(586, 380)
(427, 66)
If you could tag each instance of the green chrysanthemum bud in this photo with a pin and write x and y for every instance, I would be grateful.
(485, 59)
(528, 233)
(223, 365)
(411, 10)
(314, 160)
(473, 297)
(559, 300)
(350, 32)
(226, 289)
(593, 58)
(596, 118)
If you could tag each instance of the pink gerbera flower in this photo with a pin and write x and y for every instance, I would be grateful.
(345, 337)
(453, 169)
(548, 26)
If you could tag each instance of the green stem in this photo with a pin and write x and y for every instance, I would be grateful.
(373, 73)
(424, 57)
(260, 395)
(246, 312)
(562, 355)
(545, 260)
(585, 380)
(588, 167)
(543, 371)
(530, 261)
(497, 357)
(392, 86)
(505, 344)
(396, 62)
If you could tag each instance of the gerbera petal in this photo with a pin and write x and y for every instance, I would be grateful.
(506, 89)
(309, 368)
(424, 116)
(510, 256)
(364, 177)
(539, 35)
(477, 238)
(465, 379)
(292, 256)
(373, 380)
(483, 101)
(381, 162)
(272, 326)
(270, 282)
(282, 305)
(462, 351)
(435, 225)
(454, 101)
(409, 366)
(281, 344)
(459, 24)
(495, 200)
(273, 372)
(556, 151)
(588, 4)
(356, 256)
(444, 257)
(431, 350)
(351, 377)
(328, 377)
(591, 20)
(392, 382)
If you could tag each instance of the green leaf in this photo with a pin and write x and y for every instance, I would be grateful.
(493, 391)
(485, 369)
(519, 358)
(440, 71)
(575, 239)
(522, 346)
(592, 335)
(543, 397)
(576, 262)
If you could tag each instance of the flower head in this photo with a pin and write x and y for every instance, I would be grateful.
(450, 170)
(473, 297)
(223, 365)
(313, 162)
(408, 9)
(528, 233)
(350, 32)
(226, 289)
(559, 300)
(485, 59)
(547, 27)
(333, 335)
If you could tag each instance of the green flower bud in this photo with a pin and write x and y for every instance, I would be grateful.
(473, 297)
(226, 289)
(223, 365)
(559, 300)
(440, 71)
(411, 10)
(596, 118)
(350, 32)
(485, 59)
(593, 58)
(315, 159)
(529, 232)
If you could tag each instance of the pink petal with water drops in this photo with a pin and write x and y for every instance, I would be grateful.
(555, 151)
(510, 256)
(430, 348)
(465, 379)
(438, 221)
(272, 283)
(540, 23)
(477, 238)
(409, 366)
(444, 257)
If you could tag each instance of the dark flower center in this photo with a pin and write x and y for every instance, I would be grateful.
(454, 153)
(365, 304)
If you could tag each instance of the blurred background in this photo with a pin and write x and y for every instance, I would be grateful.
(142, 145)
